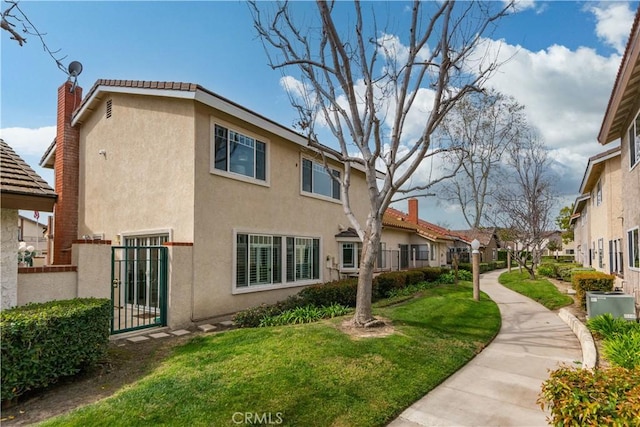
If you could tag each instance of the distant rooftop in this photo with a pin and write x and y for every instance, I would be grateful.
(20, 185)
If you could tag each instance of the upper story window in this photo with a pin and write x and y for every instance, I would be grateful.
(599, 193)
(633, 241)
(634, 142)
(239, 154)
(316, 180)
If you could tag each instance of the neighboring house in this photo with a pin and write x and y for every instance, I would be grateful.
(419, 243)
(622, 122)
(555, 237)
(581, 225)
(598, 214)
(246, 201)
(489, 242)
(33, 233)
(20, 188)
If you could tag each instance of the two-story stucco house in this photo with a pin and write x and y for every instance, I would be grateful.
(248, 205)
(597, 215)
(622, 123)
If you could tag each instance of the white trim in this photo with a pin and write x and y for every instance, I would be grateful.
(147, 233)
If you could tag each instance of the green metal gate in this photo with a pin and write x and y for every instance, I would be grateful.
(138, 287)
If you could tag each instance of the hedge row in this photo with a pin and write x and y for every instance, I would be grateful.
(344, 292)
(584, 282)
(561, 271)
(581, 397)
(43, 342)
(484, 266)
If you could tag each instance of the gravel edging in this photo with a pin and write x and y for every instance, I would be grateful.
(589, 353)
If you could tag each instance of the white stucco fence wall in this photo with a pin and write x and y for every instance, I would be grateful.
(8, 257)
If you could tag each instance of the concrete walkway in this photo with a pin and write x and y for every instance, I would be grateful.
(499, 387)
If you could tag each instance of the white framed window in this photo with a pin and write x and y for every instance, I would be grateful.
(599, 193)
(238, 154)
(316, 180)
(634, 142)
(633, 243)
(615, 257)
(348, 255)
(263, 260)
(601, 253)
(420, 252)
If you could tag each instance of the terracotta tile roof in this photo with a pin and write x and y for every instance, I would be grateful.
(398, 219)
(484, 235)
(17, 177)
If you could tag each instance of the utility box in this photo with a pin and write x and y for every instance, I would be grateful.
(619, 304)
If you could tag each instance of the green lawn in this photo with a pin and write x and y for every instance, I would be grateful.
(540, 290)
(306, 375)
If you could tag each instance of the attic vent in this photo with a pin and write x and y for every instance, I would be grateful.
(109, 102)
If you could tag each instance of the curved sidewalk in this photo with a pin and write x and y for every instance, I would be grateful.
(499, 387)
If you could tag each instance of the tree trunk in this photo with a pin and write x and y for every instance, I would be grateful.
(370, 245)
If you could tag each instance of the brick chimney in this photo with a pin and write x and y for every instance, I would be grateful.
(413, 211)
(65, 213)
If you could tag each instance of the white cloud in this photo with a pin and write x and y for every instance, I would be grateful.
(30, 145)
(613, 23)
(565, 92)
(29, 142)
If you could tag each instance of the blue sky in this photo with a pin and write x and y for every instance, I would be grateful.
(564, 59)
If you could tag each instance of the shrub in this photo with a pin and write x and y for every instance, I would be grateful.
(578, 397)
(547, 269)
(606, 326)
(449, 278)
(337, 292)
(465, 266)
(43, 342)
(564, 271)
(584, 282)
(623, 349)
(387, 282)
(251, 317)
(306, 314)
(431, 274)
(412, 289)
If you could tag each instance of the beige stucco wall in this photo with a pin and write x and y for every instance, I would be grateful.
(606, 218)
(224, 205)
(631, 213)
(144, 180)
(582, 236)
(9, 257)
(93, 261)
(43, 287)
(180, 289)
(394, 238)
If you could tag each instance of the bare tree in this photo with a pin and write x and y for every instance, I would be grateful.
(367, 89)
(16, 22)
(525, 201)
(484, 123)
